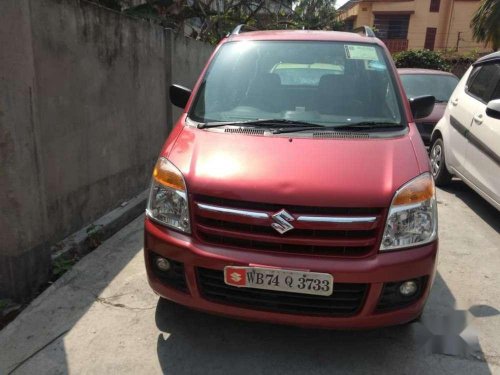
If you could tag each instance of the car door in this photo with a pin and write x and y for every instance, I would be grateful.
(461, 109)
(483, 148)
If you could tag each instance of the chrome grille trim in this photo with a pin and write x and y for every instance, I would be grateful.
(303, 218)
(245, 213)
(246, 225)
(336, 219)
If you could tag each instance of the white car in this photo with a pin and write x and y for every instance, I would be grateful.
(466, 141)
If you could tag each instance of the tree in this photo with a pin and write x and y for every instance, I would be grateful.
(486, 23)
(424, 59)
(211, 20)
(111, 4)
(316, 15)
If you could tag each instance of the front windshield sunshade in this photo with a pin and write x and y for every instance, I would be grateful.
(326, 83)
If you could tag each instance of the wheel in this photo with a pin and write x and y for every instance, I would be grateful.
(438, 164)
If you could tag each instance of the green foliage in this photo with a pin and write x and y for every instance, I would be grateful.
(95, 235)
(214, 19)
(315, 15)
(424, 59)
(453, 54)
(112, 4)
(486, 23)
(3, 304)
(60, 266)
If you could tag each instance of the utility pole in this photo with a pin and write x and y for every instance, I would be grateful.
(458, 40)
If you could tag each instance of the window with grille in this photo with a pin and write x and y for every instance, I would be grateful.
(430, 38)
(435, 4)
(349, 24)
(392, 26)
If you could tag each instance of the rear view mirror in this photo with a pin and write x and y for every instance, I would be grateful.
(493, 109)
(422, 106)
(179, 95)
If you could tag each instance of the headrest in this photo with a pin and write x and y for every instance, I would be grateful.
(269, 79)
(330, 80)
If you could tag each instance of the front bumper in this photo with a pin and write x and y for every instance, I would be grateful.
(375, 271)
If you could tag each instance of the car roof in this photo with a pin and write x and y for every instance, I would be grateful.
(313, 35)
(403, 71)
(495, 56)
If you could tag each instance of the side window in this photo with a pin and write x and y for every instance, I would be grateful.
(496, 80)
(496, 93)
(482, 81)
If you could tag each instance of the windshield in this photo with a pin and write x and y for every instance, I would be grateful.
(439, 86)
(325, 83)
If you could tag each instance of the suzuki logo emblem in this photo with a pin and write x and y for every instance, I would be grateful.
(236, 277)
(282, 221)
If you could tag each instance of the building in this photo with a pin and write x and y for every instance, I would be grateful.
(416, 24)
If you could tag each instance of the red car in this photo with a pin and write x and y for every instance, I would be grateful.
(295, 187)
(418, 82)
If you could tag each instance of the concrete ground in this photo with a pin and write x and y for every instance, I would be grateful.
(101, 317)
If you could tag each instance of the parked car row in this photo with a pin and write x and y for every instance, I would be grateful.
(463, 133)
(418, 82)
(466, 141)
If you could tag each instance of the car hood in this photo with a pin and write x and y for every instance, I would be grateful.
(294, 171)
(436, 113)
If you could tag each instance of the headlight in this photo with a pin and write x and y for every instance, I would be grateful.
(168, 202)
(412, 218)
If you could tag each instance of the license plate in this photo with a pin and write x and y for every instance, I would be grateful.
(281, 280)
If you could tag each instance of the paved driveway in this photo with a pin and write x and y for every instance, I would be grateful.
(101, 317)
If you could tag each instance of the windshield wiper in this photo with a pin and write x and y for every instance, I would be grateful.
(357, 126)
(369, 125)
(264, 123)
(299, 126)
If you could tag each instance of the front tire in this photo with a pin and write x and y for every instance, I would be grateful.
(438, 164)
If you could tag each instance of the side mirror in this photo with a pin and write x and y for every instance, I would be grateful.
(179, 95)
(422, 106)
(493, 109)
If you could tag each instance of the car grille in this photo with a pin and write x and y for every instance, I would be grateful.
(346, 300)
(223, 227)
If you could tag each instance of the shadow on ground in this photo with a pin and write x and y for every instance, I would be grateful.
(195, 342)
(475, 202)
(59, 308)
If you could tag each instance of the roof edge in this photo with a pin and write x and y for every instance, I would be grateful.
(347, 5)
(495, 56)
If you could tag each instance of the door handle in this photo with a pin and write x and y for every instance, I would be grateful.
(454, 101)
(478, 119)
